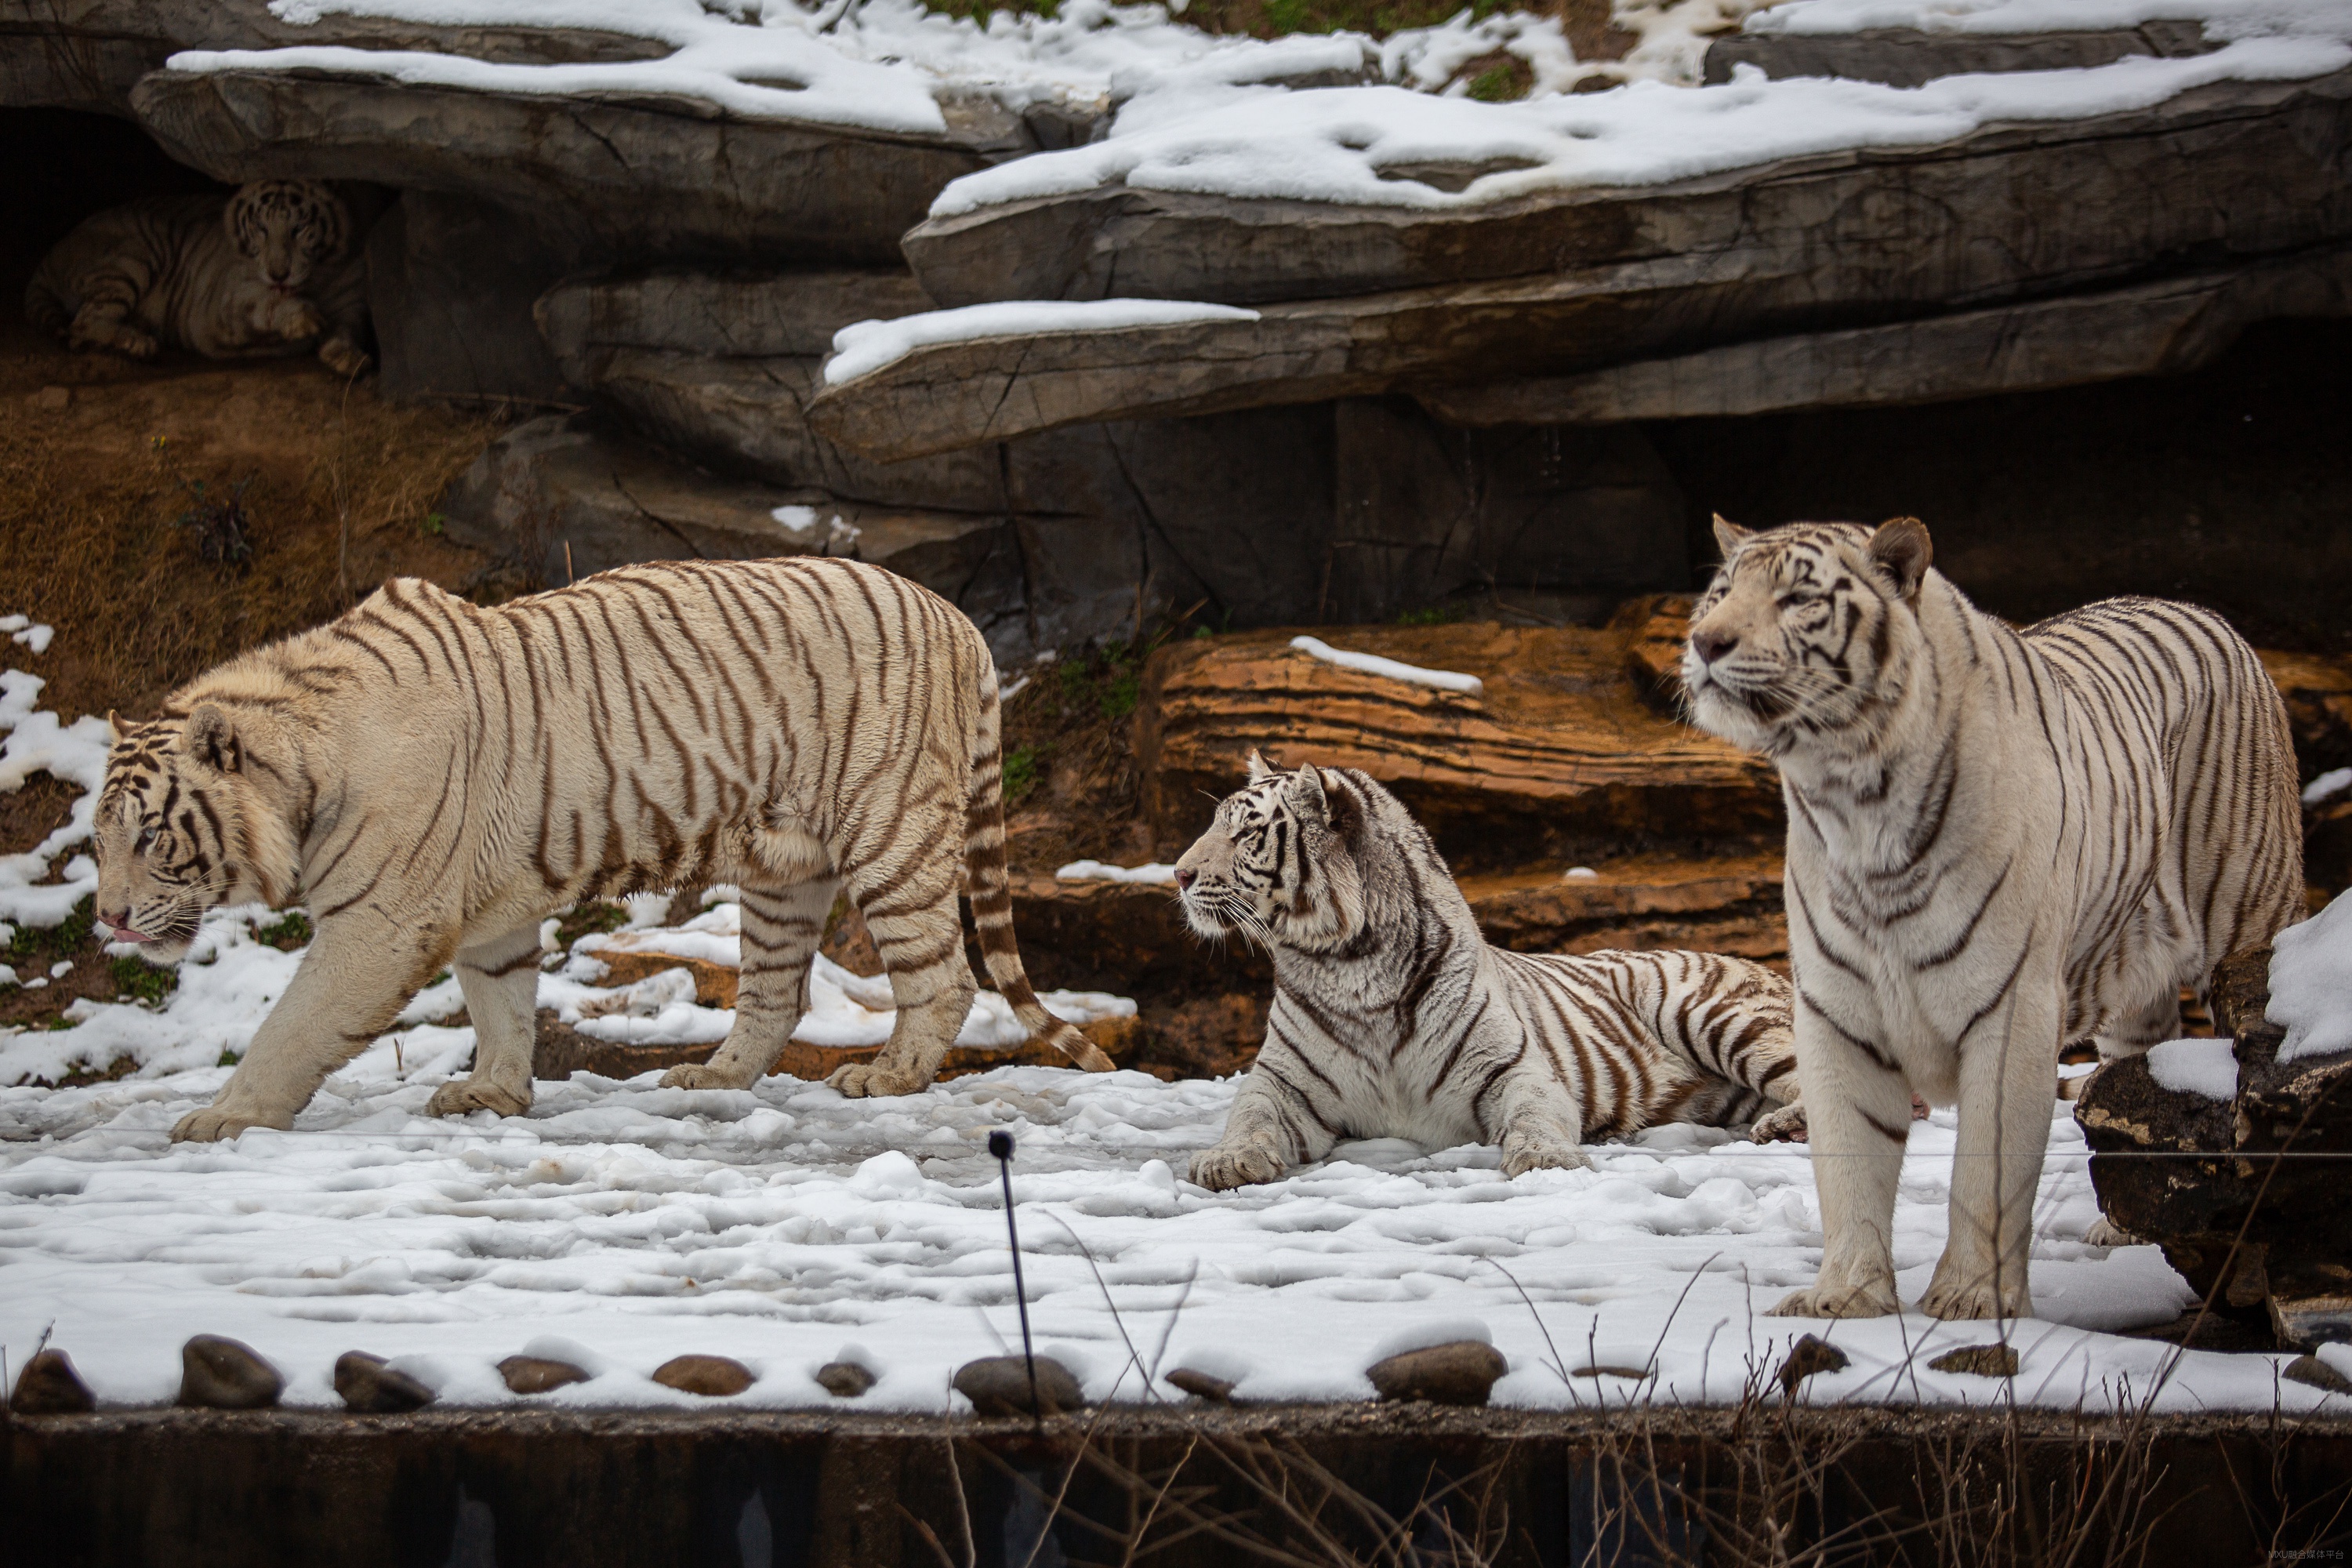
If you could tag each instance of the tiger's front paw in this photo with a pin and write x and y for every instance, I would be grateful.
(1967, 1293)
(1235, 1165)
(702, 1075)
(1536, 1151)
(214, 1124)
(1784, 1124)
(872, 1080)
(1876, 1299)
(344, 357)
(121, 340)
(292, 318)
(471, 1094)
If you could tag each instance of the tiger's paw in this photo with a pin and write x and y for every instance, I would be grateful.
(1785, 1124)
(2104, 1232)
(1525, 1151)
(1979, 1300)
(872, 1080)
(703, 1075)
(1235, 1165)
(1874, 1299)
(344, 357)
(121, 339)
(471, 1094)
(213, 1124)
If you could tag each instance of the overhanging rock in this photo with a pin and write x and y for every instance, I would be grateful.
(2245, 168)
(2155, 329)
(1906, 57)
(1586, 280)
(88, 54)
(625, 177)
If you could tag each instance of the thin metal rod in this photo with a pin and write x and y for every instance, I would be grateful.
(1020, 1291)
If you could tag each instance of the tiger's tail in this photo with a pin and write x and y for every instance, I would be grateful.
(992, 888)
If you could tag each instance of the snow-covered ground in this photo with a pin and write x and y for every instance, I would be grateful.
(619, 1223)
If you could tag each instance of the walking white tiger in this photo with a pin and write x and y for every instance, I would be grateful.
(436, 778)
(1998, 841)
(1392, 1017)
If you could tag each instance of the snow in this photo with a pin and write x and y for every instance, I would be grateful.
(25, 634)
(2207, 1067)
(2311, 982)
(885, 64)
(2222, 18)
(864, 347)
(1155, 874)
(622, 1223)
(2332, 783)
(1332, 145)
(1389, 669)
(33, 889)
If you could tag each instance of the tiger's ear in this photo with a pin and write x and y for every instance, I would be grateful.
(1901, 549)
(1342, 812)
(1730, 536)
(210, 738)
(1258, 769)
(1303, 794)
(113, 729)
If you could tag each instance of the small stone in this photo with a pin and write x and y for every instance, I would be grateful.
(2316, 1373)
(998, 1385)
(50, 399)
(221, 1373)
(1201, 1385)
(372, 1388)
(1984, 1361)
(1461, 1373)
(845, 1379)
(49, 1386)
(713, 1376)
(537, 1375)
(1809, 1355)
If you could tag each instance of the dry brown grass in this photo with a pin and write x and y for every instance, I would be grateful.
(339, 487)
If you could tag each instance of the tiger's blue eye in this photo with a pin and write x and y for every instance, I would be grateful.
(146, 841)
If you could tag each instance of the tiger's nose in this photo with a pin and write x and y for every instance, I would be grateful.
(114, 920)
(1713, 646)
(1186, 876)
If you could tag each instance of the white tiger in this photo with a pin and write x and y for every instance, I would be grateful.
(1998, 841)
(268, 269)
(1393, 1018)
(437, 778)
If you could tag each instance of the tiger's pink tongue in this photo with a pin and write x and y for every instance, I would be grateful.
(124, 934)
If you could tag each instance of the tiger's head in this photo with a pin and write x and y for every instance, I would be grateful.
(1294, 859)
(289, 227)
(181, 828)
(1807, 633)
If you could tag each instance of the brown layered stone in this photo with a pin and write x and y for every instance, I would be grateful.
(1560, 750)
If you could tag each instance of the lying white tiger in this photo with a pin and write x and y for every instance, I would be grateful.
(271, 269)
(436, 779)
(1392, 1017)
(1998, 841)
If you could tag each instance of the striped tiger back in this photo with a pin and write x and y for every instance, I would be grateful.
(438, 777)
(1999, 842)
(1393, 1018)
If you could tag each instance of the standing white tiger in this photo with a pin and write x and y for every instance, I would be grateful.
(437, 778)
(1998, 841)
(273, 268)
(1393, 1018)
